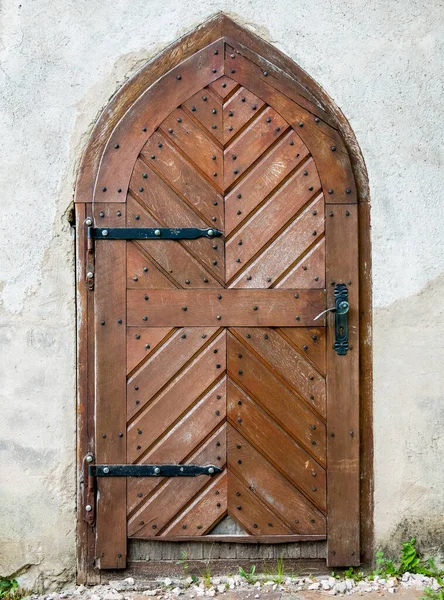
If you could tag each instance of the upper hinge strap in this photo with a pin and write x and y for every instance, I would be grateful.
(151, 233)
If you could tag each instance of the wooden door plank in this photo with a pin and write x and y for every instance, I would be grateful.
(333, 166)
(174, 495)
(140, 344)
(309, 272)
(143, 117)
(180, 440)
(271, 217)
(141, 272)
(158, 416)
(176, 261)
(252, 514)
(110, 392)
(164, 364)
(169, 210)
(279, 448)
(311, 342)
(266, 482)
(206, 107)
(343, 394)
(251, 144)
(238, 111)
(204, 512)
(285, 362)
(279, 256)
(184, 178)
(230, 308)
(223, 86)
(195, 144)
(262, 180)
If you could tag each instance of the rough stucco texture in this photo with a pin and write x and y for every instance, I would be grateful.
(382, 63)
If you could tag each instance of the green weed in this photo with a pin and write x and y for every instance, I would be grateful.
(249, 576)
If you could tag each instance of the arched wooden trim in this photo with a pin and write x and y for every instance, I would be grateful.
(321, 120)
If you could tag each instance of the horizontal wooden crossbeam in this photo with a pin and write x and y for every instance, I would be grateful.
(227, 308)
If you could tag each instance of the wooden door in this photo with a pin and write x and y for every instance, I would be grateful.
(208, 350)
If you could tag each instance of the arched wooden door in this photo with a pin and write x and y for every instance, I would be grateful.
(223, 222)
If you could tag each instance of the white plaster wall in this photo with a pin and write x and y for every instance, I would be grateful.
(382, 62)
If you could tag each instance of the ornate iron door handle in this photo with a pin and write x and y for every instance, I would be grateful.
(340, 309)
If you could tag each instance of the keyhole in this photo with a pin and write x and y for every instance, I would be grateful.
(341, 330)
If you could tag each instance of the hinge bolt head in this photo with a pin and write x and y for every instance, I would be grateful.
(211, 470)
(88, 508)
(156, 470)
(105, 232)
(157, 232)
(210, 232)
(88, 221)
(90, 275)
(89, 458)
(105, 470)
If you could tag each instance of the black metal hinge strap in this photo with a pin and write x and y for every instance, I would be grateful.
(151, 233)
(152, 470)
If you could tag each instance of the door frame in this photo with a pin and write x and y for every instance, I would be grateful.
(213, 29)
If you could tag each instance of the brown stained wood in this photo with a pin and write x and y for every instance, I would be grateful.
(163, 365)
(183, 178)
(238, 111)
(180, 440)
(141, 272)
(154, 421)
(169, 210)
(110, 393)
(254, 308)
(283, 360)
(343, 394)
(267, 71)
(204, 512)
(223, 87)
(280, 255)
(311, 343)
(253, 515)
(139, 345)
(271, 217)
(261, 385)
(206, 108)
(251, 144)
(276, 445)
(333, 166)
(262, 180)
(272, 487)
(309, 272)
(195, 144)
(170, 257)
(175, 494)
(146, 114)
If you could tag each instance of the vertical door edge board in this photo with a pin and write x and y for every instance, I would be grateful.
(343, 474)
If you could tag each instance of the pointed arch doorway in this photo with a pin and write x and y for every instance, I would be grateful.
(218, 224)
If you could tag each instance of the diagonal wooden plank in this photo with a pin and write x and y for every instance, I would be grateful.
(184, 178)
(272, 487)
(171, 256)
(195, 144)
(165, 363)
(309, 272)
(206, 107)
(262, 180)
(140, 344)
(177, 492)
(260, 382)
(251, 144)
(143, 273)
(271, 217)
(238, 111)
(272, 441)
(169, 210)
(203, 513)
(310, 341)
(250, 512)
(223, 86)
(282, 358)
(281, 254)
(182, 438)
